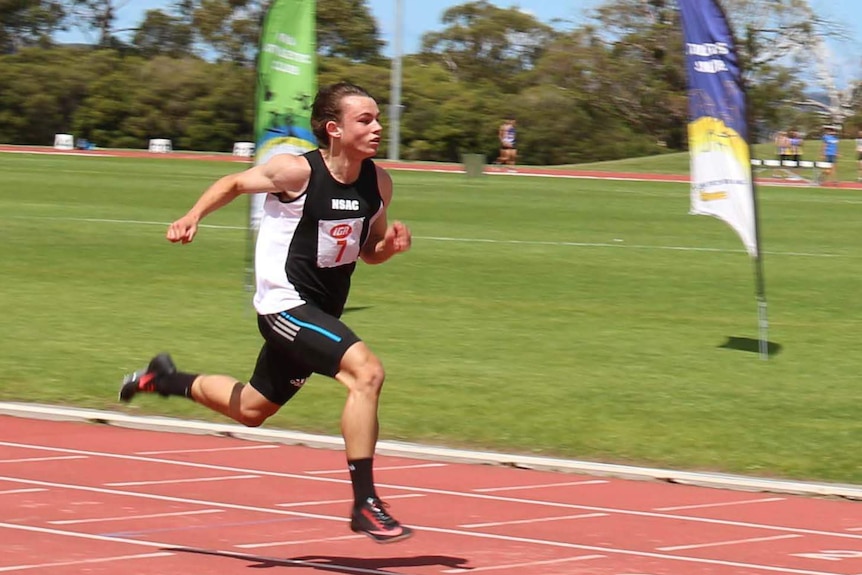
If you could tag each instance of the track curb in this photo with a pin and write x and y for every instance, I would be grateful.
(435, 453)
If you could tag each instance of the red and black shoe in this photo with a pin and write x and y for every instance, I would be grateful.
(373, 520)
(147, 380)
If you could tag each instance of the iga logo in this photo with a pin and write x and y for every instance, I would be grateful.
(341, 231)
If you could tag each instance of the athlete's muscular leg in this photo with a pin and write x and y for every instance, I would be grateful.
(239, 401)
(362, 373)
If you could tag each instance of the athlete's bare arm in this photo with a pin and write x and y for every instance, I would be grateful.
(384, 240)
(284, 173)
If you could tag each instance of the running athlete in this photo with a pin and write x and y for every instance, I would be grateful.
(323, 211)
(508, 147)
(859, 156)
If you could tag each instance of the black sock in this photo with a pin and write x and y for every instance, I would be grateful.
(362, 477)
(177, 383)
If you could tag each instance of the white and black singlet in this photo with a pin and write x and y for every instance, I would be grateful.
(307, 247)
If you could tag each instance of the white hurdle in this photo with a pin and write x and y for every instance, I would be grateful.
(160, 146)
(244, 149)
(64, 142)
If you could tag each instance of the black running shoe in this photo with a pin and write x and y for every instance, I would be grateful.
(372, 520)
(147, 380)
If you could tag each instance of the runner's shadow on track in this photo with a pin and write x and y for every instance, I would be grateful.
(332, 564)
(751, 345)
(338, 564)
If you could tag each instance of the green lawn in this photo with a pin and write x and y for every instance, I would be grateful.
(573, 318)
(678, 163)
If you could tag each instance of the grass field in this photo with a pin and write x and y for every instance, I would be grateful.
(575, 318)
(678, 163)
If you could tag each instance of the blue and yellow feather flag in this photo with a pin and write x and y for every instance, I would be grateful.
(721, 177)
(722, 183)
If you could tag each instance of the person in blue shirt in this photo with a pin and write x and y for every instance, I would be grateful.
(830, 154)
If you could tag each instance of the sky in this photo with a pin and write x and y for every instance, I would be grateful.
(421, 16)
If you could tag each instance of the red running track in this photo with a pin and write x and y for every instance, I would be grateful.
(88, 498)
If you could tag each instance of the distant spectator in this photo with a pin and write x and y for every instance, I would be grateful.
(795, 147)
(782, 146)
(830, 155)
(859, 156)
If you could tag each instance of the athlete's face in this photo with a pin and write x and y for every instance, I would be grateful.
(360, 127)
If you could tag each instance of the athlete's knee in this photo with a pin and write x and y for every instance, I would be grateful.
(251, 418)
(249, 408)
(370, 377)
(363, 370)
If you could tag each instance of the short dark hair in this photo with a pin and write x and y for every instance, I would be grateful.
(327, 107)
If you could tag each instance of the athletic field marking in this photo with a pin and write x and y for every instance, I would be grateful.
(530, 564)
(621, 244)
(189, 480)
(420, 490)
(733, 542)
(37, 459)
(531, 521)
(301, 542)
(17, 491)
(542, 485)
(724, 504)
(85, 561)
(469, 534)
(131, 517)
(376, 469)
(343, 501)
(618, 245)
(51, 531)
(212, 450)
(268, 561)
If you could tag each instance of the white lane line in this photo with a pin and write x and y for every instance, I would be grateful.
(188, 480)
(92, 536)
(84, 561)
(541, 485)
(519, 565)
(299, 542)
(731, 542)
(343, 501)
(340, 519)
(17, 491)
(422, 490)
(134, 517)
(471, 240)
(268, 561)
(530, 521)
(725, 504)
(212, 450)
(38, 459)
(390, 468)
(621, 245)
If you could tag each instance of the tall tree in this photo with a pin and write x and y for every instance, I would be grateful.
(482, 42)
(97, 17)
(355, 37)
(28, 23)
(230, 28)
(636, 67)
(162, 34)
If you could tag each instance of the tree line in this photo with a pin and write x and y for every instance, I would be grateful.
(609, 88)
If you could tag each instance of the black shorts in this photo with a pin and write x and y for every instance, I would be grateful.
(298, 342)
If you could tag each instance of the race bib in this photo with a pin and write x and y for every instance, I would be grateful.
(338, 242)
